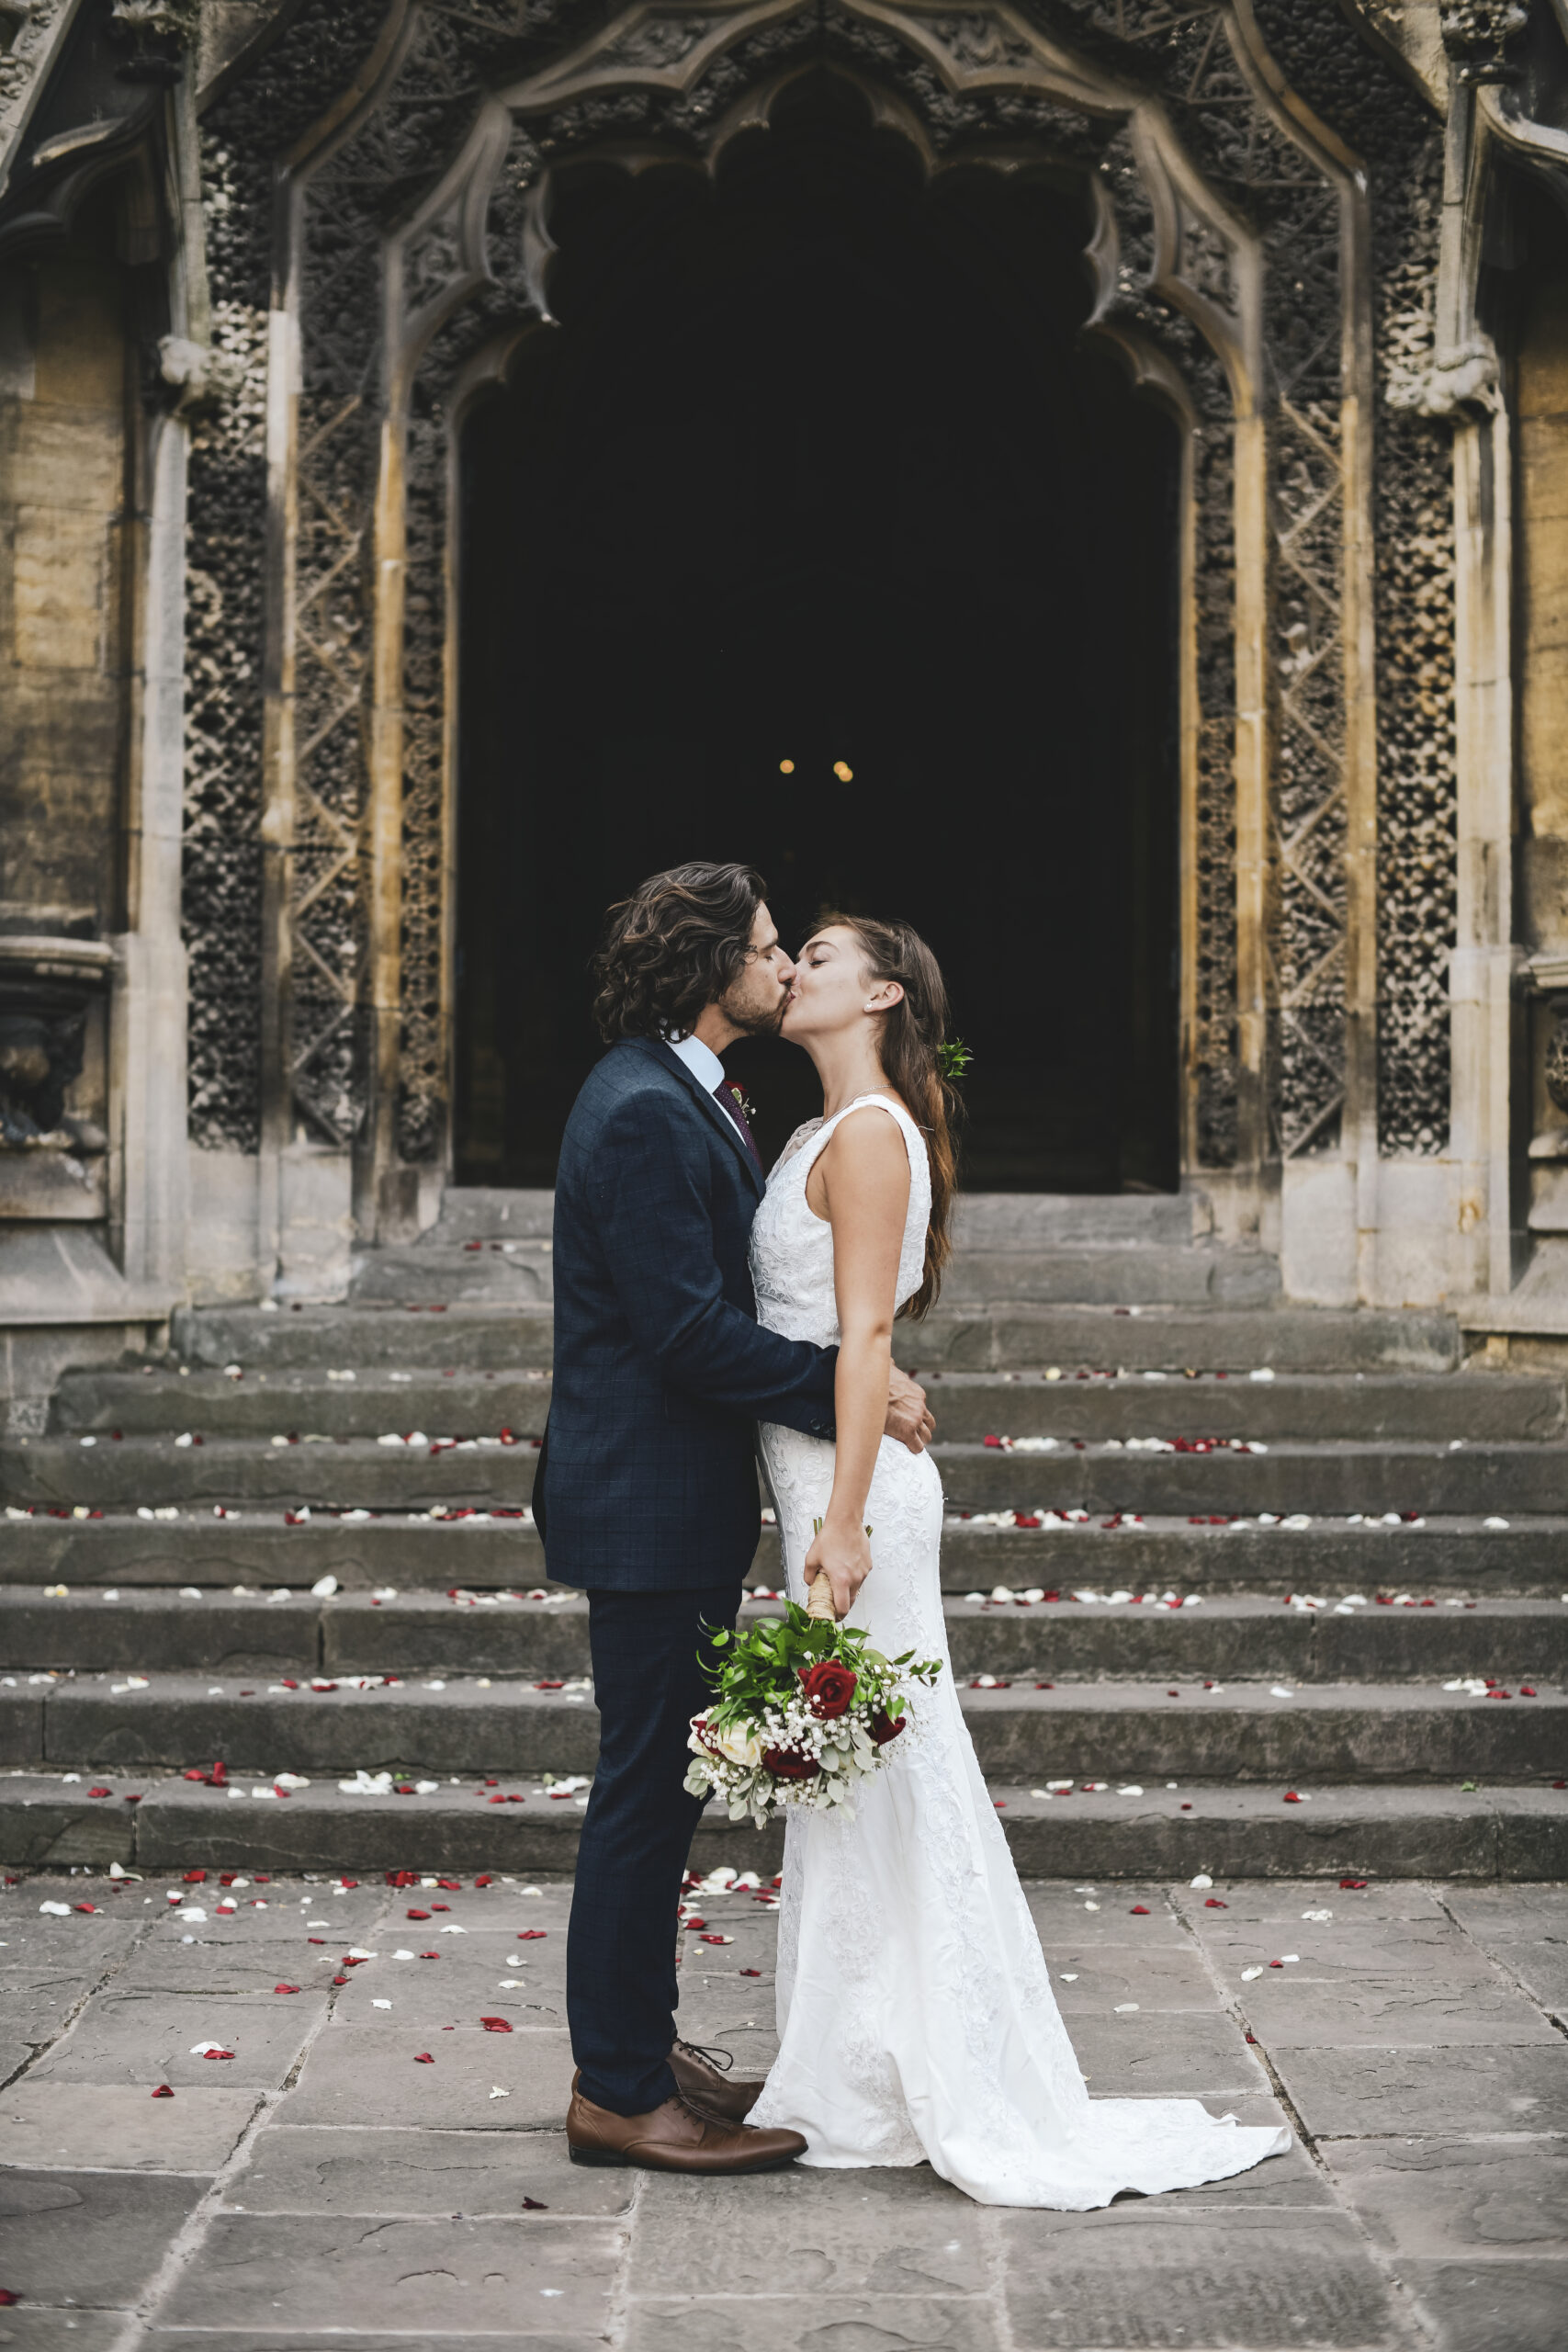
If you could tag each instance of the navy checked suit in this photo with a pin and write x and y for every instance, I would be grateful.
(646, 1495)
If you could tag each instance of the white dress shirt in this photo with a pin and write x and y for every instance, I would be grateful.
(700, 1060)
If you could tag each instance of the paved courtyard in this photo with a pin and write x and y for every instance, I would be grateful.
(375, 2160)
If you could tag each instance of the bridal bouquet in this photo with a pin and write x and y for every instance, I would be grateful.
(803, 1709)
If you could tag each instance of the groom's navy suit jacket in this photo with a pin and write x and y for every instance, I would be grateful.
(647, 1482)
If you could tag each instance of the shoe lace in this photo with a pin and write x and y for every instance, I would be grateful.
(721, 2060)
(693, 2106)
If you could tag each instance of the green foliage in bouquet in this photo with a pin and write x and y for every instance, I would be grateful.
(769, 1661)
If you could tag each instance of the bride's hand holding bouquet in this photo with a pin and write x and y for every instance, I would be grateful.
(802, 1708)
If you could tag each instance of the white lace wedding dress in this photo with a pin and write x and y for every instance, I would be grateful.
(916, 2018)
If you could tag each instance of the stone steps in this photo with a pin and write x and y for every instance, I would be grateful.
(414, 1550)
(1248, 1731)
(340, 1402)
(155, 1631)
(1298, 1490)
(999, 1337)
(1231, 1831)
(1280, 1475)
(519, 1273)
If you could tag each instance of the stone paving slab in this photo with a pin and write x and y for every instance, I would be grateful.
(316, 2271)
(1482, 2307)
(149, 2037)
(1289, 2013)
(798, 2323)
(1499, 2089)
(119, 2127)
(1162, 2273)
(61, 2331)
(341, 2194)
(1437, 2199)
(310, 2169)
(453, 2092)
(307, 2339)
(91, 2238)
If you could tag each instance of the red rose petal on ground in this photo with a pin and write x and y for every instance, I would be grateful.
(423, 2058)
(286, 1988)
(751, 1972)
(7, 2295)
(87, 1906)
(537, 1935)
(100, 1792)
(163, 2091)
(485, 1880)
(419, 1915)
(1212, 1903)
(218, 2053)
(1290, 1797)
(452, 1885)
(1141, 1911)
(534, 2205)
(1352, 1885)
(340, 1980)
(430, 1955)
(1253, 2038)
(495, 2025)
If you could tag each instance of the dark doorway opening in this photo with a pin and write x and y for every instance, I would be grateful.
(817, 469)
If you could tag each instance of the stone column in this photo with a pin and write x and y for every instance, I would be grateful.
(148, 1050)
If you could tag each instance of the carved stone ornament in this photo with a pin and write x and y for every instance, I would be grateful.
(1477, 32)
(1555, 1070)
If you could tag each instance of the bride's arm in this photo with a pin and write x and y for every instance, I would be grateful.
(862, 1184)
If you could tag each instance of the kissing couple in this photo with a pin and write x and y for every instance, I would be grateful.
(703, 1306)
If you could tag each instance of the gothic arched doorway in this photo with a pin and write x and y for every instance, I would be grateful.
(817, 469)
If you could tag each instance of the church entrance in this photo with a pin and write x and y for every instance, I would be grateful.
(814, 535)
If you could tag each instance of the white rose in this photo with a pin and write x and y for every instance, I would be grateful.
(738, 1744)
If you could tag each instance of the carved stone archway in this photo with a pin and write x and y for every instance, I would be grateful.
(1231, 267)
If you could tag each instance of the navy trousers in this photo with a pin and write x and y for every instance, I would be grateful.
(621, 1986)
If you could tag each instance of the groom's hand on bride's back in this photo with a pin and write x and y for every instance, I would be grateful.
(908, 1416)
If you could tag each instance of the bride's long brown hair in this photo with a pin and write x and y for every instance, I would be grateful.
(909, 1047)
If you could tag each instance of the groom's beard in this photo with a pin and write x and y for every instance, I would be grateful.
(759, 1024)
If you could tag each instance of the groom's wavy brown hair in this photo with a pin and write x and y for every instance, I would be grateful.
(678, 942)
(909, 1047)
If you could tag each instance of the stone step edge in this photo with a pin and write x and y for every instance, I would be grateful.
(1495, 1833)
(46, 1628)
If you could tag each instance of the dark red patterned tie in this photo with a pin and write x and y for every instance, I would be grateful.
(727, 1095)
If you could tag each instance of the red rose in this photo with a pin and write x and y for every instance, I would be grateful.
(829, 1689)
(789, 1764)
(883, 1727)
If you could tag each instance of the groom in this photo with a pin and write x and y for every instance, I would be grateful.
(646, 1487)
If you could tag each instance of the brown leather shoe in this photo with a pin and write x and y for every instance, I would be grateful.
(696, 2072)
(680, 2136)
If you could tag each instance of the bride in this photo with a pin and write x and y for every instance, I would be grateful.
(916, 2018)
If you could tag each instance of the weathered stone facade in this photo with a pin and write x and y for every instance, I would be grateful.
(322, 228)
